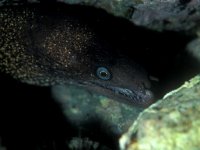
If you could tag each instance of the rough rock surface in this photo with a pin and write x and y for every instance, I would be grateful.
(194, 48)
(176, 15)
(171, 123)
(82, 108)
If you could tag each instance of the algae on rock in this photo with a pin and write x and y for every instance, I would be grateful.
(171, 123)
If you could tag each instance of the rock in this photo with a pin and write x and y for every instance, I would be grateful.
(171, 123)
(176, 15)
(158, 15)
(194, 48)
(82, 108)
(77, 143)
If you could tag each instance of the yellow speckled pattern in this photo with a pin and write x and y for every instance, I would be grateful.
(47, 46)
(12, 52)
(24, 31)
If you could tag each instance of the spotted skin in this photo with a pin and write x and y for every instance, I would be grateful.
(51, 47)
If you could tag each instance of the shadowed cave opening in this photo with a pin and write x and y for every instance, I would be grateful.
(24, 108)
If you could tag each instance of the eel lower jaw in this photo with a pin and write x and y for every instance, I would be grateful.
(142, 98)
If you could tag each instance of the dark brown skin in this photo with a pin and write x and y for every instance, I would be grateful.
(51, 47)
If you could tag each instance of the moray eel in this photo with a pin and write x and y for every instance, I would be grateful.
(51, 47)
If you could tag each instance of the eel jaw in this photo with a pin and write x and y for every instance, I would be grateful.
(141, 98)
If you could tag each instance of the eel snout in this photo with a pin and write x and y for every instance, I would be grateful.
(141, 98)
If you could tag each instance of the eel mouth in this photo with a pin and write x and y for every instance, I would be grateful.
(142, 97)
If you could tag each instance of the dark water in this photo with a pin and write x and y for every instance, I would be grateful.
(31, 119)
(29, 116)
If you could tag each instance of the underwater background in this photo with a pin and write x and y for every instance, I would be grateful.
(69, 117)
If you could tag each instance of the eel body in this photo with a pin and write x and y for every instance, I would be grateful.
(52, 47)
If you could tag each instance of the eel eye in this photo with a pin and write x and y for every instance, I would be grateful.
(103, 73)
